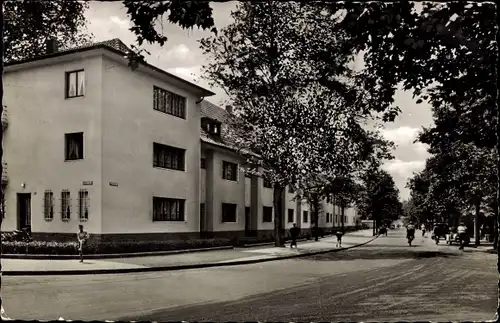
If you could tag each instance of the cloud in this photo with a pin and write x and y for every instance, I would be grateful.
(178, 53)
(402, 168)
(123, 23)
(191, 74)
(401, 136)
(421, 149)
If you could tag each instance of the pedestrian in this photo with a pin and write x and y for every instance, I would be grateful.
(339, 235)
(82, 237)
(294, 233)
(462, 235)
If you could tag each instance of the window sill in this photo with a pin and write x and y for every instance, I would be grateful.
(72, 160)
(173, 169)
(83, 220)
(73, 97)
(230, 180)
(170, 114)
(49, 220)
(224, 222)
(179, 221)
(65, 220)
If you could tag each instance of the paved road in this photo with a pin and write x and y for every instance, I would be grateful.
(384, 280)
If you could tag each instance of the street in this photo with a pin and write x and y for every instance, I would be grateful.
(385, 280)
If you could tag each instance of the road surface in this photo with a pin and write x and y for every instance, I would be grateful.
(385, 280)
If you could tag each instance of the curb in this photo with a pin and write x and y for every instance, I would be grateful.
(260, 244)
(111, 255)
(171, 268)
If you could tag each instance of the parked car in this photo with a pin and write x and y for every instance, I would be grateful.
(440, 230)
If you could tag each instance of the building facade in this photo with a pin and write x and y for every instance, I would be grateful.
(130, 154)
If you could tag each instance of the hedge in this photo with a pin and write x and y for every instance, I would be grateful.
(71, 248)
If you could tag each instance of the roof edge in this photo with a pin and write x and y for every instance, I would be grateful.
(204, 92)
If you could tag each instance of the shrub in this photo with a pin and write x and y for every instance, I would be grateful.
(70, 248)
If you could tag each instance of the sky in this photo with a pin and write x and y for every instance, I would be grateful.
(182, 56)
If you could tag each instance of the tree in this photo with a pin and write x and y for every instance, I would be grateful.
(344, 191)
(29, 24)
(303, 131)
(380, 199)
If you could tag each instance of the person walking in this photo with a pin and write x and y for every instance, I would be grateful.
(294, 233)
(82, 237)
(339, 235)
(462, 235)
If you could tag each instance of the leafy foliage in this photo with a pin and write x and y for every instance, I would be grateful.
(145, 15)
(305, 128)
(29, 24)
(380, 198)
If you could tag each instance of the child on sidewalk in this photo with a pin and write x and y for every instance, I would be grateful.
(339, 235)
(82, 237)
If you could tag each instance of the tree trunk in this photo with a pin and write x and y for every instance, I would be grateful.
(477, 225)
(1, 112)
(497, 316)
(342, 210)
(374, 225)
(279, 240)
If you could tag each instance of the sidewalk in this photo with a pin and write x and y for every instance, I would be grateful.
(237, 256)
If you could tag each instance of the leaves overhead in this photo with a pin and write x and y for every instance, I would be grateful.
(30, 23)
(146, 15)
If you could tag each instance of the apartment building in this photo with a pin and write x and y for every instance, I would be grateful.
(130, 154)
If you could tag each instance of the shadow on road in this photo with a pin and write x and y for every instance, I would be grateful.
(377, 253)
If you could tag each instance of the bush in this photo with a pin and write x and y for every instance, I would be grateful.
(70, 248)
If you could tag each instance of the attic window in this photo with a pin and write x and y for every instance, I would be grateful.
(213, 128)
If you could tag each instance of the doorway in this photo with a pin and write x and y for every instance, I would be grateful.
(24, 211)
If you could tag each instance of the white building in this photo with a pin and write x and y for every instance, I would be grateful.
(89, 141)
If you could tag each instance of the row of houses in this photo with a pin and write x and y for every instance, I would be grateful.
(129, 154)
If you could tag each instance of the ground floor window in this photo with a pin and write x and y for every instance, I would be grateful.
(48, 205)
(305, 216)
(290, 215)
(267, 214)
(168, 209)
(65, 205)
(229, 212)
(83, 205)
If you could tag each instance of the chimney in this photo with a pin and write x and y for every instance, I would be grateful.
(229, 108)
(51, 46)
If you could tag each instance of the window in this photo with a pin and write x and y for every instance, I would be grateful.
(229, 171)
(229, 212)
(75, 84)
(74, 146)
(305, 215)
(267, 214)
(168, 157)
(267, 183)
(83, 205)
(65, 205)
(327, 217)
(290, 215)
(167, 209)
(169, 102)
(345, 218)
(291, 189)
(202, 163)
(48, 206)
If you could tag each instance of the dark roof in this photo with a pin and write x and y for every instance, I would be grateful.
(114, 45)
(210, 110)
